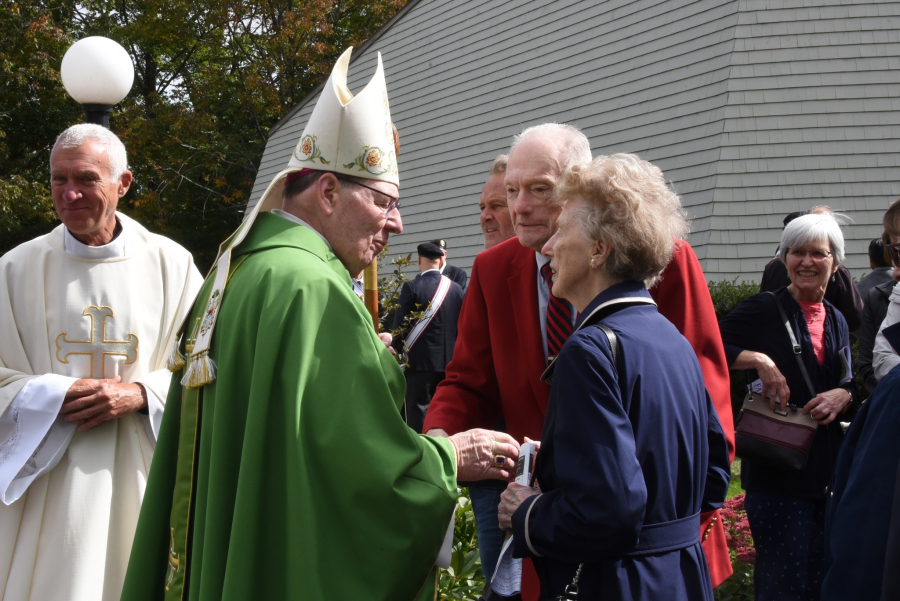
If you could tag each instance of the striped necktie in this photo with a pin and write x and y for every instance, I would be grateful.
(559, 317)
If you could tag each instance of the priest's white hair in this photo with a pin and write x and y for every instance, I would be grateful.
(812, 228)
(575, 148)
(78, 134)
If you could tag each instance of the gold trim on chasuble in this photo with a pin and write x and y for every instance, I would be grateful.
(98, 346)
(183, 496)
(178, 557)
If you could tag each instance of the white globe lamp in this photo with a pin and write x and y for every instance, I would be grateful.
(98, 73)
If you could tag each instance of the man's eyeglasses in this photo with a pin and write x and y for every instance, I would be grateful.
(894, 251)
(816, 255)
(393, 204)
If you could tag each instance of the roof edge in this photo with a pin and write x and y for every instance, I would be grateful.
(359, 52)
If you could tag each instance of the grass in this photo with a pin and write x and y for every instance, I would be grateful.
(734, 488)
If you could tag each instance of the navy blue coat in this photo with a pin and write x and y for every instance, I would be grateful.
(615, 463)
(457, 275)
(861, 513)
(434, 348)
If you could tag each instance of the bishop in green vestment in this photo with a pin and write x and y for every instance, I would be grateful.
(283, 468)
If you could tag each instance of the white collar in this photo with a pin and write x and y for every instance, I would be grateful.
(541, 260)
(429, 270)
(295, 219)
(113, 250)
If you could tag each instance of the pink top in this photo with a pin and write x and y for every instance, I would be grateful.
(815, 322)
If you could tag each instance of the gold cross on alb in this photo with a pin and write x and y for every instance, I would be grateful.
(98, 346)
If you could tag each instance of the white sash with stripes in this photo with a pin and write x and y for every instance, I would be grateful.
(436, 301)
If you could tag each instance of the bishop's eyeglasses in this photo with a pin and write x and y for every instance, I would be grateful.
(394, 200)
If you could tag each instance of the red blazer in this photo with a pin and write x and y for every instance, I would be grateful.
(498, 359)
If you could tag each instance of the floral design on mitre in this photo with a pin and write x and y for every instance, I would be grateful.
(308, 150)
(211, 308)
(374, 160)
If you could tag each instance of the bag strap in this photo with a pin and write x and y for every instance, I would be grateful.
(794, 345)
(618, 361)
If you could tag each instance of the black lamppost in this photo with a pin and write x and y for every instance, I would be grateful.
(98, 73)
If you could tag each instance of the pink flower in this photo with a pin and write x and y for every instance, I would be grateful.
(737, 530)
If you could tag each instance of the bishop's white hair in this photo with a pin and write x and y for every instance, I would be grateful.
(576, 150)
(78, 134)
(813, 228)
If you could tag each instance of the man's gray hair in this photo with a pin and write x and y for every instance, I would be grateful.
(499, 166)
(77, 135)
(813, 228)
(576, 150)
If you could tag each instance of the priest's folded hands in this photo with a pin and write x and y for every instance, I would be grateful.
(89, 402)
(484, 455)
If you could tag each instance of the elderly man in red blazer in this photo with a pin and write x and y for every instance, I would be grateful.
(502, 346)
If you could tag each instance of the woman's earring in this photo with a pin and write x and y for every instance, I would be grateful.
(592, 262)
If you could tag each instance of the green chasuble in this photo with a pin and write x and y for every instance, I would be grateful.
(293, 475)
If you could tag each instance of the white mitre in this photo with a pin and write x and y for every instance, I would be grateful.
(345, 134)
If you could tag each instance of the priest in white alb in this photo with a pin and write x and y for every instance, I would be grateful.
(88, 315)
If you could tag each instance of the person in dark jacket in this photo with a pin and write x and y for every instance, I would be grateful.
(786, 508)
(629, 458)
(451, 271)
(840, 291)
(428, 340)
(884, 358)
(874, 311)
(880, 266)
(862, 525)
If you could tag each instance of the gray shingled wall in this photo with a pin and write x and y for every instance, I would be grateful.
(753, 109)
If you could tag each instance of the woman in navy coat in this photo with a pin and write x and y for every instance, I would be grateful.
(629, 458)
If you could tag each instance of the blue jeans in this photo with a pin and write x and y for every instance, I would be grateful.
(490, 538)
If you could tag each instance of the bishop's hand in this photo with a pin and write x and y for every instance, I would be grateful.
(90, 402)
(484, 454)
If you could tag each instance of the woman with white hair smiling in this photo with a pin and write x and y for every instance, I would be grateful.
(632, 450)
(786, 506)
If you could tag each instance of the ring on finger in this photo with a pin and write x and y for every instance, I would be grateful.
(499, 460)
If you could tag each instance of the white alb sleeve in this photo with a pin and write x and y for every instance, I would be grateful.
(156, 384)
(33, 436)
(883, 357)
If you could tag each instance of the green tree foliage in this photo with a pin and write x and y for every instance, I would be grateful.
(211, 78)
(33, 109)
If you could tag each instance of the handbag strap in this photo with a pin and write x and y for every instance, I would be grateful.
(795, 346)
(618, 361)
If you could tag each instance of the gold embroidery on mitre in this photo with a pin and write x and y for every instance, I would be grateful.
(98, 346)
(174, 562)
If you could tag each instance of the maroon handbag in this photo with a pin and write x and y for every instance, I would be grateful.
(780, 438)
